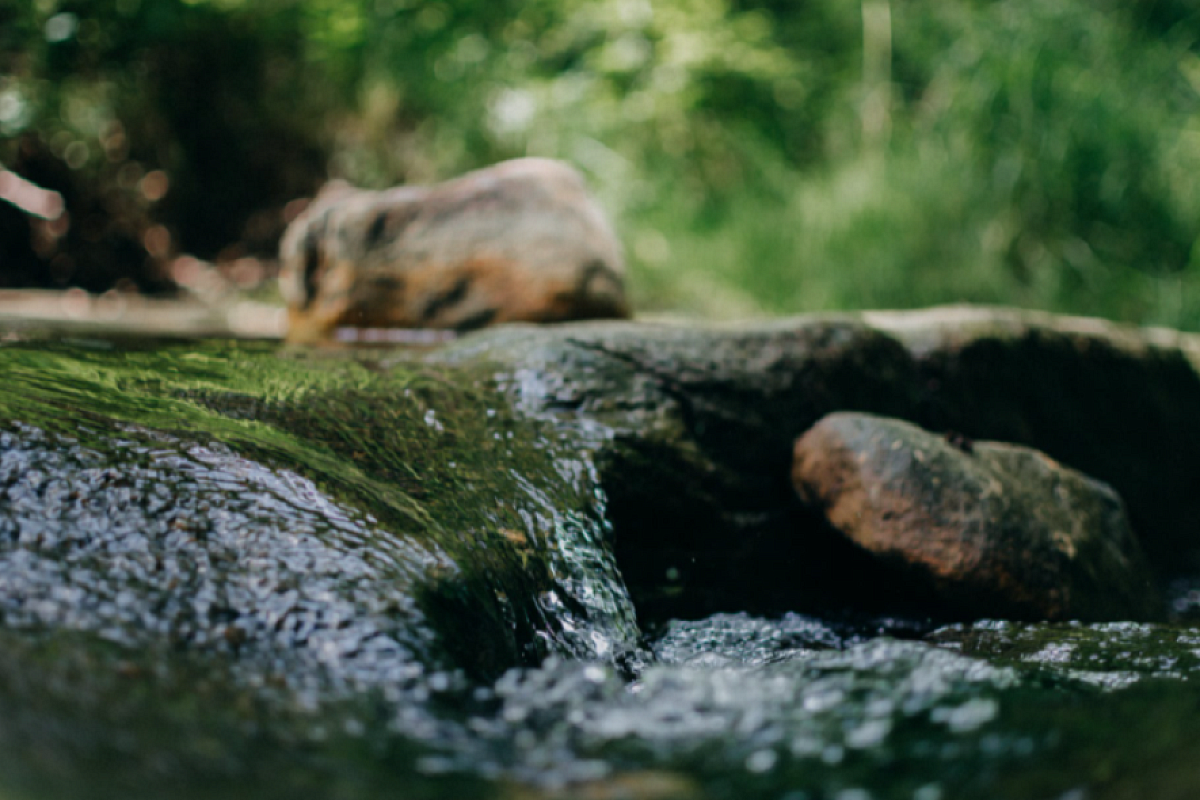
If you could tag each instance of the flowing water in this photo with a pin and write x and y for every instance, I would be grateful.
(227, 574)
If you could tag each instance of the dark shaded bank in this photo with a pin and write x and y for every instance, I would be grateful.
(566, 562)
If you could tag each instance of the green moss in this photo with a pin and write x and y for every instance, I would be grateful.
(430, 453)
(358, 434)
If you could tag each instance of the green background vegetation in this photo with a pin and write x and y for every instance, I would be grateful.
(759, 156)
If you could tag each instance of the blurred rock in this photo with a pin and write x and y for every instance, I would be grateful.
(519, 241)
(993, 530)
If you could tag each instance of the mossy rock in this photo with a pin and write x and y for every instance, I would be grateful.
(347, 548)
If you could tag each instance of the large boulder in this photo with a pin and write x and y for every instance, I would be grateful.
(519, 241)
(703, 419)
(989, 529)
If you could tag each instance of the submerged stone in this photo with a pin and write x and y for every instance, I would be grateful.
(989, 529)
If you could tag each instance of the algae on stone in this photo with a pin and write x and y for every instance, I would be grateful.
(431, 483)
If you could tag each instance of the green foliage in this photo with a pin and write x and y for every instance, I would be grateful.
(1037, 156)
(759, 155)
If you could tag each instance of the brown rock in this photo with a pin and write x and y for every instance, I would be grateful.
(519, 241)
(991, 529)
(1113, 401)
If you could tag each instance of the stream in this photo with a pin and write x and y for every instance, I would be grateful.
(227, 573)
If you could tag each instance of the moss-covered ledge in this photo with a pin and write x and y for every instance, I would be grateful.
(357, 523)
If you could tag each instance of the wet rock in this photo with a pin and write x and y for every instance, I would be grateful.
(519, 241)
(1113, 401)
(991, 529)
(1105, 655)
(225, 568)
(554, 478)
(703, 420)
(308, 519)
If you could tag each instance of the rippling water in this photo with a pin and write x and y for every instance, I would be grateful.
(227, 574)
